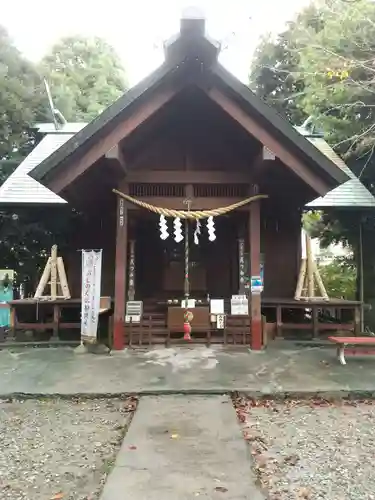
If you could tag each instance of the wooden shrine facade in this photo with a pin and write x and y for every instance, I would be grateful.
(192, 132)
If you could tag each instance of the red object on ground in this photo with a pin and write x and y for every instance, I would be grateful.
(359, 352)
(187, 330)
(343, 343)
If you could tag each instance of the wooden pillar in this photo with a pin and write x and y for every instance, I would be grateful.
(120, 275)
(255, 299)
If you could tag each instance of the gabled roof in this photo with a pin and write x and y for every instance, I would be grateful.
(20, 187)
(191, 47)
(87, 136)
(282, 129)
(350, 194)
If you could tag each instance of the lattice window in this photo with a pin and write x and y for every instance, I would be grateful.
(220, 190)
(157, 190)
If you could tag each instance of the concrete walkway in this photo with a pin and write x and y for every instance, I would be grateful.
(183, 447)
(185, 369)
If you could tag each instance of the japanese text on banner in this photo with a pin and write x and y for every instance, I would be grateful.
(91, 281)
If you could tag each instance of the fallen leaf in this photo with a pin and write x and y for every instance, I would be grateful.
(132, 447)
(58, 496)
(292, 459)
(221, 489)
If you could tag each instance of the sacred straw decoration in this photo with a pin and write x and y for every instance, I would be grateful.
(192, 214)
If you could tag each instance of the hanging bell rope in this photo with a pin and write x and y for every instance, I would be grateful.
(192, 214)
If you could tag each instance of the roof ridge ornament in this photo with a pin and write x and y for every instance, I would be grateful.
(192, 43)
(193, 22)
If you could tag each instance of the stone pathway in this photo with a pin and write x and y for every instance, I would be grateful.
(194, 369)
(183, 447)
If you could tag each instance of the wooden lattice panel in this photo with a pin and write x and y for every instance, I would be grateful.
(220, 190)
(157, 190)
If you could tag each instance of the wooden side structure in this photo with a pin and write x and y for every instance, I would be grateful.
(190, 130)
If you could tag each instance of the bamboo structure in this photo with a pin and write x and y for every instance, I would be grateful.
(55, 276)
(309, 279)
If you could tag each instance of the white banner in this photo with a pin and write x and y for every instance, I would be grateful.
(91, 284)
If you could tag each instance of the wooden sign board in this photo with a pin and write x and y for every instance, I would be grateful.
(134, 311)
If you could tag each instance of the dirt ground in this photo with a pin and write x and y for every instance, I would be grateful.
(59, 449)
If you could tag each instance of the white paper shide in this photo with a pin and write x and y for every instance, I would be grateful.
(91, 284)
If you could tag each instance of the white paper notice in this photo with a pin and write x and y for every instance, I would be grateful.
(239, 305)
(190, 304)
(220, 321)
(217, 306)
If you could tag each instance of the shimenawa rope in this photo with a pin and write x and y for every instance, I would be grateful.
(190, 214)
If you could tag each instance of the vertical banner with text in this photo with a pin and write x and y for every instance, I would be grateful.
(241, 266)
(91, 284)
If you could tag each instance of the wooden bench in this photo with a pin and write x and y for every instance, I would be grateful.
(47, 315)
(343, 342)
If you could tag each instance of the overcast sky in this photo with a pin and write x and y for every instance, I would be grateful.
(137, 28)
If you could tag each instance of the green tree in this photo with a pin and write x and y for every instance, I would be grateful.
(338, 67)
(275, 71)
(19, 102)
(334, 63)
(339, 278)
(85, 76)
(20, 105)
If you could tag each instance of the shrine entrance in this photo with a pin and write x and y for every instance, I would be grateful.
(160, 279)
(213, 265)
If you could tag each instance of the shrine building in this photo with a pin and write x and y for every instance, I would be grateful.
(190, 139)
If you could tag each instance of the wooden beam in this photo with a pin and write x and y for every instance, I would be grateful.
(120, 275)
(263, 136)
(115, 156)
(257, 166)
(255, 302)
(187, 177)
(260, 168)
(72, 171)
(54, 272)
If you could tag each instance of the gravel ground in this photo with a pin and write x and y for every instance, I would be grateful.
(59, 449)
(311, 450)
